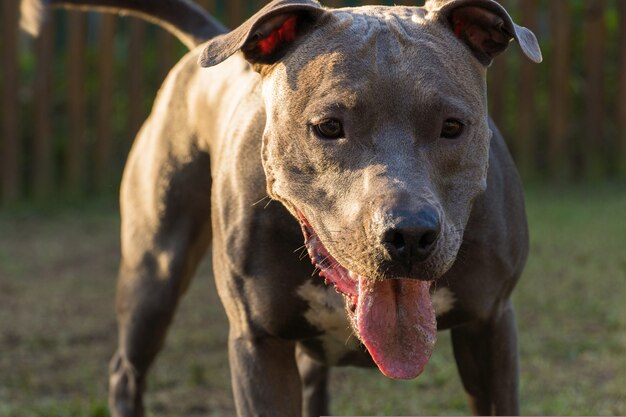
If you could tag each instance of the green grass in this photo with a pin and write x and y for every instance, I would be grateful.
(571, 303)
(57, 326)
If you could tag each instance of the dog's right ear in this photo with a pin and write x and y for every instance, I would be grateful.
(484, 26)
(266, 36)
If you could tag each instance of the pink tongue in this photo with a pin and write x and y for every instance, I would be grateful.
(397, 324)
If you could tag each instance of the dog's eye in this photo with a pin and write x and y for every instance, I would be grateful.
(329, 129)
(451, 129)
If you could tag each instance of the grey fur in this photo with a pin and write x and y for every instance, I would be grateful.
(220, 139)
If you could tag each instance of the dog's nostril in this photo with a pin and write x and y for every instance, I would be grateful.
(398, 241)
(427, 240)
(394, 241)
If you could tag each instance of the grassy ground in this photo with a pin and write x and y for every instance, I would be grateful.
(57, 328)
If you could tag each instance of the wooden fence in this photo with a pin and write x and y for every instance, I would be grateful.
(73, 99)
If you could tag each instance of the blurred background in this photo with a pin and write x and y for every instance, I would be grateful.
(72, 101)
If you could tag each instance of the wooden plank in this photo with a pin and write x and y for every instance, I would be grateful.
(9, 135)
(525, 144)
(167, 55)
(136, 109)
(621, 96)
(334, 3)
(44, 128)
(236, 13)
(210, 6)
(74, 167)
(258, 5)
(594, 141)
(560, 26)
(103, 147)
(497, 81)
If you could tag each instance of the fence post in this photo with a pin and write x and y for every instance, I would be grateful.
(526, 119)
(497, 86)
(136, 112)
(560, 12)
(42, 146)
(594, 141)
(211, 7)
(9, 139)
(104, 132)
(621, 96)
(333, 3)
(236, 13)
(166, 53)
(76, 105)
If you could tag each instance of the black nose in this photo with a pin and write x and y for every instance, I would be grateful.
(413, 238)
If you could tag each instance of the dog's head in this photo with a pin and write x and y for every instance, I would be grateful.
(377, 141)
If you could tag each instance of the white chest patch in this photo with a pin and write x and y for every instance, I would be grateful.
(443, 300)
(327, 313)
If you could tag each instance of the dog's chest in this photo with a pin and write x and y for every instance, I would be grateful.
(337, 342)
(326, 312)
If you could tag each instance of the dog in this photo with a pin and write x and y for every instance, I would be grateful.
(367, 129)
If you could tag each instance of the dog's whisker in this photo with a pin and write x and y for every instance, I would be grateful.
(300, 248)
(261, 200)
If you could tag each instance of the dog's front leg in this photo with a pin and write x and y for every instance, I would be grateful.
(314, 376)
(264, 374)
(166, 229)
(486, 356)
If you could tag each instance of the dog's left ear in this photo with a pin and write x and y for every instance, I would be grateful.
(266, 36)
(484, 26)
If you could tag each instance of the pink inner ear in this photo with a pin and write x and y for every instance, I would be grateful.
(458, 26)
(285, 33)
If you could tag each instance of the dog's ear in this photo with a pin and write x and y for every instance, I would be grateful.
(266, 36)
(484, 26)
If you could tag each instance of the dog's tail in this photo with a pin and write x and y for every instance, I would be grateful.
(183, 18)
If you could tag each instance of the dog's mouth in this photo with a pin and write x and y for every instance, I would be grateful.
(394, 318)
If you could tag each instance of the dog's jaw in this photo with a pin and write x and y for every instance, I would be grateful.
(345, 281)
(393, 318)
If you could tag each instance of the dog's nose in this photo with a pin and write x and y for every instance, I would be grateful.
(413, 238)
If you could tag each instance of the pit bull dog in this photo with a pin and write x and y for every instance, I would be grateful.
(367, 129)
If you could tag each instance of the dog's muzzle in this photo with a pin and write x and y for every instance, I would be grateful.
(394, 318)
